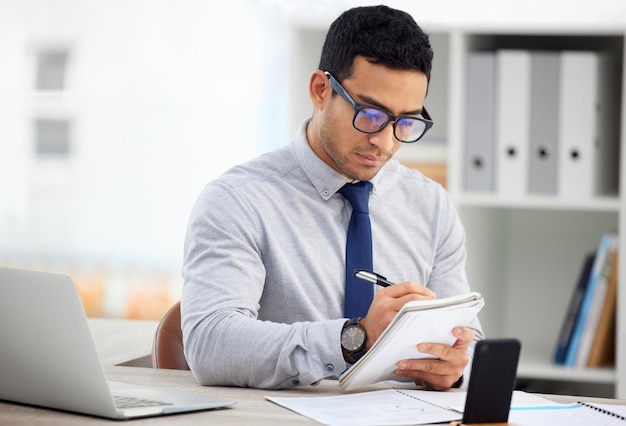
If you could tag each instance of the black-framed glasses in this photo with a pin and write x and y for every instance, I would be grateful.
(369, 119)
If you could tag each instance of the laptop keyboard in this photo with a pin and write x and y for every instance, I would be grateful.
(133, 402)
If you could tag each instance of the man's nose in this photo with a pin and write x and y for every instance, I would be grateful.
(385, 139)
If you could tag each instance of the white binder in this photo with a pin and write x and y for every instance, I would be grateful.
(512, 121)
(588, 156)
(479, 158)
(544, 123)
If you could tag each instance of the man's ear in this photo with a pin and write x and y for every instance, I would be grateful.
(319, 89)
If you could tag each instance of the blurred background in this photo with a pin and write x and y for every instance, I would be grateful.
(115, 113)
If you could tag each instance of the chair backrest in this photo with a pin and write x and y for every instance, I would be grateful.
(167, 350)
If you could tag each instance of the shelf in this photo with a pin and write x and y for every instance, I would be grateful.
(600, 204)
(537, 366)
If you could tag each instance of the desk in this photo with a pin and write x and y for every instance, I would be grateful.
(118, 341)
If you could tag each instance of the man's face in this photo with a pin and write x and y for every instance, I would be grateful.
(359, 155)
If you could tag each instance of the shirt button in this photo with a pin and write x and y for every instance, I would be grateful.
(330, 367)
(326, 192)
(295, 382)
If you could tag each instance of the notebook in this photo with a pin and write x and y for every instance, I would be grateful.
(48, 357)
(429, 320)
(373, 408)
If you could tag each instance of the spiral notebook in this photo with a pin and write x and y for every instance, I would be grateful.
(380, 407)
(578, 414)
(406, 406)
(616, 411)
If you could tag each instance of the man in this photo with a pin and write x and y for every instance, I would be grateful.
(265, 252)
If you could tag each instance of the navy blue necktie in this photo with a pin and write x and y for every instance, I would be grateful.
(359, 294)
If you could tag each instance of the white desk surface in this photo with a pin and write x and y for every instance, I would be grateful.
(118, 341)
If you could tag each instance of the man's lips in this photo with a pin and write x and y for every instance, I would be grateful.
(371, 159)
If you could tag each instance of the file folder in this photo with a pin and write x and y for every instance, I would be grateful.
(544, 123)
(588, 157)
(479, 158)
(578, 123)
(512, 121)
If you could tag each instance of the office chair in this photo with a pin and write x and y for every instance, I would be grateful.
(167, 349)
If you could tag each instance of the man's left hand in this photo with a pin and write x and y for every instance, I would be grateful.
(446, 368)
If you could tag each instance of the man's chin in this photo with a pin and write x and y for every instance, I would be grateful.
(364, 173)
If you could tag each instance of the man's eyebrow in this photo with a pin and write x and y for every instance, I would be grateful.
(375, 103)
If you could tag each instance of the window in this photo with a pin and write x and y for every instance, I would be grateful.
(51, 70)
(52, 137)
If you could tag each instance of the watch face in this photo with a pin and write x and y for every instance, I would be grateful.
(352, 338)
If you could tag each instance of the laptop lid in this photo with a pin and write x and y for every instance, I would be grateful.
(48, 357)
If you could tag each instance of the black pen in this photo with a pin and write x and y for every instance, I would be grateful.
(372, 277)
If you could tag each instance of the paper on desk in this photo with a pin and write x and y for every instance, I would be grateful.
(384, 407)
(455, 399)
(419, 407)
(562, 414)
(614, 408)
(520, 400)
(528, 409)
(417, 322)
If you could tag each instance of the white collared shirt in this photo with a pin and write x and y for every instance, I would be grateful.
(264, 263)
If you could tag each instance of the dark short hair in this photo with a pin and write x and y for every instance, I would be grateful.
(382, 35)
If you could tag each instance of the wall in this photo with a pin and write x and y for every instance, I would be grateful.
(162, 96)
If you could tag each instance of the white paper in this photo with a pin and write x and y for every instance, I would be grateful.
(418, 407)
(385, 407)
(570, 415)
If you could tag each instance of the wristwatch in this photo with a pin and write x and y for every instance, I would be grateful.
(353, 340)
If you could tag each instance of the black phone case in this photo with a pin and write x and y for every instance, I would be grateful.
(492, 381)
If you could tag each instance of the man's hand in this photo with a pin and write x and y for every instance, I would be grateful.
(447, 367)
(440, 372)
(386, 304)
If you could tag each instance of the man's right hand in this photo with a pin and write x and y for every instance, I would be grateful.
(386, 304)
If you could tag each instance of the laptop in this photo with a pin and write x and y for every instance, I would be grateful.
(48, 357)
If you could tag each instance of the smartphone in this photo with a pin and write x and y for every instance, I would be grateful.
(492, 381)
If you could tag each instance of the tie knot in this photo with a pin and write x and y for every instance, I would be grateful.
(358, 194)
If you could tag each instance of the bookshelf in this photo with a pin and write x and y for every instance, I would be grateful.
(524, 252)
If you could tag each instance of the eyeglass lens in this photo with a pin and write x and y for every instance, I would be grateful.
(371, 120)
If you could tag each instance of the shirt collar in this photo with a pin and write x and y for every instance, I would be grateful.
(326, 180)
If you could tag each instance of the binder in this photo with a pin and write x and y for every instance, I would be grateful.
(512, 121)
(544, 119)
(608, 145)
(479, 159)
(587, 137)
